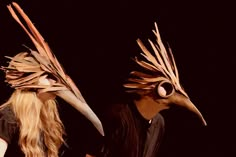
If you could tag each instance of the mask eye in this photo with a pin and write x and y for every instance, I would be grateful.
(43, 80)
(165, 89)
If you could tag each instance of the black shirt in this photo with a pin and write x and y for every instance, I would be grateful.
(128, 134)
(9, 131)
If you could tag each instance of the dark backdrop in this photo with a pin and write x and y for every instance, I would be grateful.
(95, 40)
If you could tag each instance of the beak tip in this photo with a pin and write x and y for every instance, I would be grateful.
(98, 125)
(102, 132)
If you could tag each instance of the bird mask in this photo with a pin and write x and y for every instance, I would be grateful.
(160, 80)
(26, 69)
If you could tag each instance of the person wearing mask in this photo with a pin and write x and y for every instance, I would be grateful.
(135, 128)
(30, 124)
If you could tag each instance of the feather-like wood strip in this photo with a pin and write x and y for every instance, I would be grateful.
(26, 60)
(35, 36)
(161, 60)
(28, 68)
(157, 53)
(158, 66)
(174, 64)
(31, 60)
(12, 77)
(33, 81)
(22, 60)
(18, 66)
(146, 65)
(40, 39)
(144, 80)
(53, 89)
(140, 74)
(164, 55)
(155, 79)
(137, 85)
(141, 81)
(39, 48)
(135, 90)
(29, 77)
(32, 86)
(147, 55)
(42, 60)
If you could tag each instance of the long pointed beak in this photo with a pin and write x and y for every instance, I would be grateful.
(181, 100)
(82, 107)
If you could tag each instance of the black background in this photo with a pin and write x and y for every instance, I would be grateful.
(95, 40)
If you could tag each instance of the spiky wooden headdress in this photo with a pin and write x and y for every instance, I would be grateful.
(25, 68)
(159, 67)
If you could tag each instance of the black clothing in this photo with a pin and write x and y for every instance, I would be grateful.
(128, 134)
(9, 131)
(154, 136)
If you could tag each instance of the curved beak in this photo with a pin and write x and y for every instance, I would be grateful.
(82, 107)
(183, 101)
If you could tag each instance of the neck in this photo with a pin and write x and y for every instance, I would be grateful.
(148, 107)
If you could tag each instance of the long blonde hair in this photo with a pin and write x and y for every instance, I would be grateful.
(41, 130)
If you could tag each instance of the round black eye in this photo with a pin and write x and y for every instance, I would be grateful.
(165, 89)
